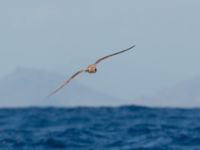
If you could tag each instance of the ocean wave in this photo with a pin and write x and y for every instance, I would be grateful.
(124, 128)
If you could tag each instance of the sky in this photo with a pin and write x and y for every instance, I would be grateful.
(63, 36)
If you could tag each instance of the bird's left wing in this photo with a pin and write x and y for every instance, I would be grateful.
(105, 57)
(66, 82)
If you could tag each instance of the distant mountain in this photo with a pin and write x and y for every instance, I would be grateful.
(184, 94)
(30, 87)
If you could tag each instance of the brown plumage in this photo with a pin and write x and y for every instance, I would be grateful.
(90, 69)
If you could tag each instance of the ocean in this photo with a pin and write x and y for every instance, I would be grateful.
(99, 128)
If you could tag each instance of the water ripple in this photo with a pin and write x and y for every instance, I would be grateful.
(124, 128)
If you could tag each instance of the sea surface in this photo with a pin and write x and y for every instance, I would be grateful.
(100, 128)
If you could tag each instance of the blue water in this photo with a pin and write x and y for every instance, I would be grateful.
(103, 128)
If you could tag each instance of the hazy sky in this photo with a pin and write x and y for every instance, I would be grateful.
(62, 36)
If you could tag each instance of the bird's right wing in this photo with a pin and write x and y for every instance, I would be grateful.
(66, 82)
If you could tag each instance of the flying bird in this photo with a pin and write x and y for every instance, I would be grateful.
(90, 69)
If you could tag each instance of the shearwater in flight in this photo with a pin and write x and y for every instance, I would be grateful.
(90, 69)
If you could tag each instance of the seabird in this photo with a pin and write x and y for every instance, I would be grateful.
(90, 69)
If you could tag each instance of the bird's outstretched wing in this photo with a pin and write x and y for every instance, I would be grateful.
(66, 82)
(105, 57)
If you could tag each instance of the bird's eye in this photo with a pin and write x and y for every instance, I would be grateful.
(95, 69)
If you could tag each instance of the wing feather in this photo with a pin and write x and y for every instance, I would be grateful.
(66, 82)
(105, 57)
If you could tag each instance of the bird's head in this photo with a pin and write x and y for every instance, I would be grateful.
(92, 68)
